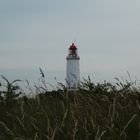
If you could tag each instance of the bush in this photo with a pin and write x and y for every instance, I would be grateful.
(99, 111)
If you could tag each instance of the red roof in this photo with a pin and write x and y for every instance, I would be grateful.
(73, 46)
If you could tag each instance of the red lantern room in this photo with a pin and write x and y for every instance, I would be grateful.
(73, 49)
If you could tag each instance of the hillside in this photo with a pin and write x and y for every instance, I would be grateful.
(97, 111)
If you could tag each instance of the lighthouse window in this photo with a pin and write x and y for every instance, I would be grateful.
(72, 52)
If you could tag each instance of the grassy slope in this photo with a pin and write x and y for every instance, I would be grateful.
(99, 111)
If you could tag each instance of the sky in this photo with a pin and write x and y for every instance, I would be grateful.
(37, 33)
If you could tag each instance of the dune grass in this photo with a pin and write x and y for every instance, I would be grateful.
(97, 111)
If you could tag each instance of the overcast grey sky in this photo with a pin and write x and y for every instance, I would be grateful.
(37, 33)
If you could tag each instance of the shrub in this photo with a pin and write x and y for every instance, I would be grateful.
(99, 111)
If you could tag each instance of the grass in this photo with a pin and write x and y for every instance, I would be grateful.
(97, 111)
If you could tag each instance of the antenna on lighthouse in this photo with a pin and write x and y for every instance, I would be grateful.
(73, 70)
(74, 40)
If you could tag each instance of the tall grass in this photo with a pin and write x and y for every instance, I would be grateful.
(97, 111)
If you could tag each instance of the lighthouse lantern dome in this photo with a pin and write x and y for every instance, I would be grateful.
(73, 49)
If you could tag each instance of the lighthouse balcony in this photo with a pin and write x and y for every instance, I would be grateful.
(73, 57)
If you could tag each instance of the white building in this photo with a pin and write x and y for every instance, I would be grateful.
(73, 71)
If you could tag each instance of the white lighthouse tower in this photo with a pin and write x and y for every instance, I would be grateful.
(73, 71)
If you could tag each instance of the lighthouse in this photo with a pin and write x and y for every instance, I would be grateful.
(72, 70)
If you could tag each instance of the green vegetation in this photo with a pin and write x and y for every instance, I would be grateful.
(97, 111)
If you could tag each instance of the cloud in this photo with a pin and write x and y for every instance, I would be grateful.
(36, 33)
